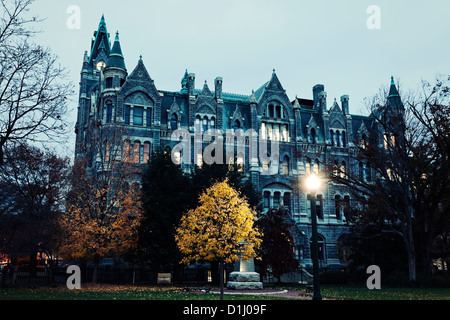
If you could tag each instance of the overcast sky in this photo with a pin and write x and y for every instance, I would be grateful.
(306, 42)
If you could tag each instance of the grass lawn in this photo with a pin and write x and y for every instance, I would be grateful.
(128, 292)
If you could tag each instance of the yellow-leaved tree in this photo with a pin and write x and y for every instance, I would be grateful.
(219, 229)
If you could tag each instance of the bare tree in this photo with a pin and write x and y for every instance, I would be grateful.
(406, 168)
(33, 86)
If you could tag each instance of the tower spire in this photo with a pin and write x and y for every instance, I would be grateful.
(115, 58)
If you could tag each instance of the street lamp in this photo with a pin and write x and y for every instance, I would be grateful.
(313, 184)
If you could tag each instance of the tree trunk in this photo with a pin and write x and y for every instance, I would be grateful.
(221, 279)
(409, 244)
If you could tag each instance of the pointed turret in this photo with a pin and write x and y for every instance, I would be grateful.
(394, 99)
(115, 58)
(100, 45)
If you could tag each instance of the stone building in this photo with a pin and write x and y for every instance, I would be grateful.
(309, 133)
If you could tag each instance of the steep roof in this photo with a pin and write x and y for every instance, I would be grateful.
(115, 58)
(101, 41)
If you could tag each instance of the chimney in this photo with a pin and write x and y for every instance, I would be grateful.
(191, 84)
(218, 84)
(344, 103)
(318, 88)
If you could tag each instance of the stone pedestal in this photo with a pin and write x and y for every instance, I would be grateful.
(246, 278)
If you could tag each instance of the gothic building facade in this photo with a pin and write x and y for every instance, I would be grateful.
(309, 134)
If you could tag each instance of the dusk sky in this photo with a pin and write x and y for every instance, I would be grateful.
(306, 42)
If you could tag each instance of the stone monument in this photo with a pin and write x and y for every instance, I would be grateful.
(246, 278)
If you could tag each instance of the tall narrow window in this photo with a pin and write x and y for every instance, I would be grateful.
(197, 124)
(213, 123)
(386, 141)
(107, 151)
(263, 131)
(344, 139)
(285, 167)
(338, 138)
(205, 123)
(312, 136)
(136, 151)
(266, 199)
(276, 199)
(343, 170)
(285, 136)
(316, 167)
(148, 119)
(174, 122)
(236, 125)
(363, 141)
(127, 114)
(109, 82)
(126, 151)
(337, 206)
(308, 167)
(347, 208)
(278, 112)
(332, 137)
(271, 111)
(109, 112)
(319, 206)
(146, 151)
(287, 200)
(138, 116)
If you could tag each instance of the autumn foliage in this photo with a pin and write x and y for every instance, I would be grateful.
(219, 229)
(102, 215)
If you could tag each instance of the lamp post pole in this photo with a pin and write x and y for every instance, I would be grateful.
(315, 249)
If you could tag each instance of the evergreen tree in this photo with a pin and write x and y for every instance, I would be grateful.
(166, 195)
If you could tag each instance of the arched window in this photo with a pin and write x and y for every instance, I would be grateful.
(285, 166)
(312, 136)
(109, 112)
(338, 206)
(344, 140)
(136, 151)
(197, 123)
(236, 125)
(213, 123)
(271, 111)
(126, 151)
(146, 151)
(332, 137)
(338, 138)
(320, 246)
(205, 124)
(174, 122)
